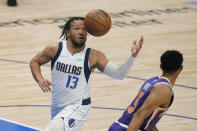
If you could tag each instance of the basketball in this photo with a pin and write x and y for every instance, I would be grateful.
(97, 22)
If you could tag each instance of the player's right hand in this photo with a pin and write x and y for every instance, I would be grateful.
(137, 47)
(45, 85)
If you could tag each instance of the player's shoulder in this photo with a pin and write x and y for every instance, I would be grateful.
(96, 53)
(51, 47)
(162, 88)
(96, 56)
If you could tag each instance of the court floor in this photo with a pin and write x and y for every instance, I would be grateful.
(7, 125)
(28, 28)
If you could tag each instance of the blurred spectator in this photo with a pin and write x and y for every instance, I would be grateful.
(11, 2)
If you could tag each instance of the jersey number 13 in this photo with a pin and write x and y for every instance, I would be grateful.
(72, 82)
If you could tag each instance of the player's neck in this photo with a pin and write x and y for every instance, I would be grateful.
(173, 75)
(73, 49)
(170, 77)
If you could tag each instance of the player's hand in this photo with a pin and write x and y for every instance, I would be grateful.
(136, 47)
(45, 85)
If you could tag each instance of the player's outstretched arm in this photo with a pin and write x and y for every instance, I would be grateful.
(99, 60)
(120, 72)
(42, 58)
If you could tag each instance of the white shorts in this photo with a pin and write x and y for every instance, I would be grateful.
(71, 118)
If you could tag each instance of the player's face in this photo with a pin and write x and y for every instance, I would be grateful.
(77, 33)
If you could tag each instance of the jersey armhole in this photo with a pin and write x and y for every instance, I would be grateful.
(56, 55)
(172, 95)
(87, 70)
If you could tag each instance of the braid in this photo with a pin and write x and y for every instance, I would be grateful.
(67, 26)
(63, 31)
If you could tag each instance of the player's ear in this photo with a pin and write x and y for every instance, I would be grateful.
(181, 68)
(68, 34)
(161, 67)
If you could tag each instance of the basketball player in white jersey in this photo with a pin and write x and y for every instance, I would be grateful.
(72, 63)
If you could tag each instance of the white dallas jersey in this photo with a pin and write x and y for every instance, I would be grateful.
(70, 76)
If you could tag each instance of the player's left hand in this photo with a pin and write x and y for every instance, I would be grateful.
(136, 47)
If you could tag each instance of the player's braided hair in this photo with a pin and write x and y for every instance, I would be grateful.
(68, 24)
(171, 61)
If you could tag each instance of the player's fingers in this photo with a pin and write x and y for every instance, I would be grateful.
(134, 42)
(134, 45)
(47, 86)
(49, 82)
(42, 87)
(45, 83)
(139, 46)
(49, 89)
(141, 39)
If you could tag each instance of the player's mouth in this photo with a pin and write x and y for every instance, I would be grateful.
(81, 38)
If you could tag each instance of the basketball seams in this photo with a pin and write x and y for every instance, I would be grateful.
(92, 31)
(105, 15)
(97, 22)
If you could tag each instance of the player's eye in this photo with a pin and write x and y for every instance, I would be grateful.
(75, 28)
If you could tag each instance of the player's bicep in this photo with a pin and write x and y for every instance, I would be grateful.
(100, 60)
(148, 106)
(156, 98)
(44, 56)
(41, 58)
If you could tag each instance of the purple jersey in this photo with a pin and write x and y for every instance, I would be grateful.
(143, 93)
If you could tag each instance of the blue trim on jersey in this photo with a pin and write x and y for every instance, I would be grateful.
(87, 71)
(56, 55)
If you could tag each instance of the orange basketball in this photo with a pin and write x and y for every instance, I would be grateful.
(97, 22)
